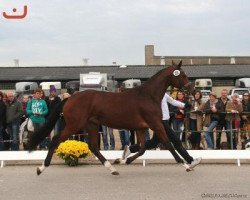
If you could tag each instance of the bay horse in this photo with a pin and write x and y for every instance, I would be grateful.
(135, 109)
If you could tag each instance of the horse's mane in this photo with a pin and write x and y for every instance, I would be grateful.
(148, 81)
(156, 75)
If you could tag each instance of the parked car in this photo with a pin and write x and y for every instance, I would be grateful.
(239, 91)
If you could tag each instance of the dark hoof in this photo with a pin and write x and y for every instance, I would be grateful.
(115, 173)
(38, 171)
(189, 170)
(128, 161)
(117, 161)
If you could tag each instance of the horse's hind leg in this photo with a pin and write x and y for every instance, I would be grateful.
(140, 134)
(56, 140)
(92, 130)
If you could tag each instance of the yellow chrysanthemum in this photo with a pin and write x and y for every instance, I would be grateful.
(73, 148)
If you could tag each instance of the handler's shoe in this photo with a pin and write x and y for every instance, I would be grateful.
(126, 152)
(195, 162)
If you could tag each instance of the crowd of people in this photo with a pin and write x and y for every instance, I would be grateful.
(200, 122)
(195, 124)
(20, 116)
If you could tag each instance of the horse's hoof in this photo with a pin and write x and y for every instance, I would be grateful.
(189, 169)
(115, 173)
(117, 161)
(38, 171)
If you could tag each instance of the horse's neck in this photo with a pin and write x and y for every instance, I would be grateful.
(156, 86)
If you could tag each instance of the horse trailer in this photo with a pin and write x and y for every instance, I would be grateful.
(203, 84)
(242, 83)
(46, 87)
(131, 83)
(72, 86)
(97, 81)
(25, 88)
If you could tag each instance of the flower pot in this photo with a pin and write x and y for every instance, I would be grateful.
(71, 161)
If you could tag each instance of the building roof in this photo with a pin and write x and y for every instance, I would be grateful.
(12, 74)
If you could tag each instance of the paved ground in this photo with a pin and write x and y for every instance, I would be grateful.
(155, 181)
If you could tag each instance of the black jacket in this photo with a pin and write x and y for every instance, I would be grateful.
(52, 103)
(2, 114)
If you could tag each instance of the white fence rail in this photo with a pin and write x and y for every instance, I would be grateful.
(21, 155)
(149, 155)
(205, 154)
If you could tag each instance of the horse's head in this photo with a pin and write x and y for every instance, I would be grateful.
(179, 79)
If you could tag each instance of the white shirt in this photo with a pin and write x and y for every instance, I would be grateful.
(164, 105)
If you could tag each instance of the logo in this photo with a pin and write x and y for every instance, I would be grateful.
(13, 15)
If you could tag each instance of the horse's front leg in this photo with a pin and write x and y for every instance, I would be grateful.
(56, 140)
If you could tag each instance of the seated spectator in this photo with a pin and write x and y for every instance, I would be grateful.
(234, 107)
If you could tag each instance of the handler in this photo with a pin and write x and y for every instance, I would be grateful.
(174, 139)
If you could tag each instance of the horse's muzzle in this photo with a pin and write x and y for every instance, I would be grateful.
(189, 87)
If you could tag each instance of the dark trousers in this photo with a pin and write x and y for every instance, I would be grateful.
(45, 143)
(222, 124)
(173, 138)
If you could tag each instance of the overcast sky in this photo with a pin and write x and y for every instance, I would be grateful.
(63, 32)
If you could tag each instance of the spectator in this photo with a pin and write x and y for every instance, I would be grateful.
(5, 99)
(2, 121)
(222, 122)
(108, 145)
(234, 107)
(195, 120)
(43, 94)
(37, 110)
(65, 95)
(124, 137)
(179, 115)
(52, 101)
(245, 118)
(14, 112)
(24, 103)
(212, 109)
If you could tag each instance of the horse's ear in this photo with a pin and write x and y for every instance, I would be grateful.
(179, 65)
(173, 63)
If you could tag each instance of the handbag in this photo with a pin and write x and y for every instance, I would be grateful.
(30, 125)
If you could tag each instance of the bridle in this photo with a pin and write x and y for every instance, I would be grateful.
(186, 87)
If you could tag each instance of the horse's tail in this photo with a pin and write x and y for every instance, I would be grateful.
(37, 137)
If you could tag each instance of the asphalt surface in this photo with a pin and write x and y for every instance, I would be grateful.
(155, 181)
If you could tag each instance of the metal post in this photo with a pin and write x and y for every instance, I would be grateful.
(231, 133)
(2, 163)
(238, 162)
